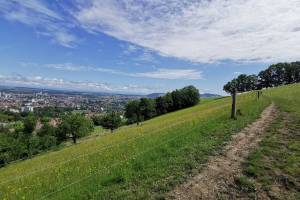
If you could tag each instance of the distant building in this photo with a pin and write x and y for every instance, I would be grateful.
(27, 109)
(14, 110)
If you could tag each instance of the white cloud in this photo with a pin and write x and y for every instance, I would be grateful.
(237, 73)
(59, 83)
(146, 56)
(171, 74)
(66, 67)
(139, 54)
(201, 31)
(191, 74)
(35, 13)
(129, 49)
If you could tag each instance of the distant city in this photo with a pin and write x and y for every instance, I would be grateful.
(24, 99)
(21, 99)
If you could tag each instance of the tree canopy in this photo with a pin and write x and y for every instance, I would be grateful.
(74, 126)
(111, 121)
(146, 108)
(133, 112)
(274, 75)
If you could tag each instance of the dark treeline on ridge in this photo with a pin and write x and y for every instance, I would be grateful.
(146, 108)
(274, 75)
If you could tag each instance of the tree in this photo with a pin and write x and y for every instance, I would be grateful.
(295, 68)
(231, 86)
(161, 105)
(279, 74)
(147, 108)
(97, 120)
(133, 112)
(190, 96)
(47, 129)
(246, 83)
(242, 83)
(265, 79)
(111, 121)
(169, 102)
(252, 82)
(74, 126)
(177, 99)
(185, 97)
(30, 124)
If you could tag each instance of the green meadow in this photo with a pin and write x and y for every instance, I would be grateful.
(274, 166)
(140, 162)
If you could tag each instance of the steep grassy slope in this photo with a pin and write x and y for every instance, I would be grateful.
(134, 162)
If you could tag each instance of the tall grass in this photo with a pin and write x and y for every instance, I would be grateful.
(136, 162)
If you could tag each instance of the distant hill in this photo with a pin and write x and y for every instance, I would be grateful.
(19, 89)
(209, 95)
(155, 95)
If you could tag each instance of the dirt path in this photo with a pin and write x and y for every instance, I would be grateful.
(221, 170)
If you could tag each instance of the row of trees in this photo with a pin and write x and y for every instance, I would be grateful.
(146, 108)
(275, 75)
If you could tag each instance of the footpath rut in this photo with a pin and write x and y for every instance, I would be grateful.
(222, 169)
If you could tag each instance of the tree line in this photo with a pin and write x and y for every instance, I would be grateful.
(274, 75)
(146, 108)
(23, 139)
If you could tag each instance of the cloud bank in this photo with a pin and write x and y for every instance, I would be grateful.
(201, 31)
(162, 73)
(47, 22)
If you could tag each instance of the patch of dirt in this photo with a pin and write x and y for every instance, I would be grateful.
(216, 179)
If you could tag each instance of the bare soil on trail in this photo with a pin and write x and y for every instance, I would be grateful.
(221, 170)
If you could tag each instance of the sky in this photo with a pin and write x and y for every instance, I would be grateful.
(143, 46)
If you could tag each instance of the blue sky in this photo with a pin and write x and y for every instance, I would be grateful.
(140, 47)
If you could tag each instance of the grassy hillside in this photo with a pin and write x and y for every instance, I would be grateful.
(136, 162)
(274, 168)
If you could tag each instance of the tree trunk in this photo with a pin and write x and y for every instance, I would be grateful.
(258, 94)
(74, 139)
(233, 108)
